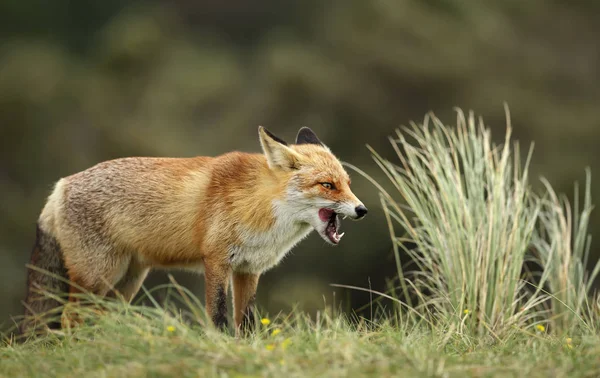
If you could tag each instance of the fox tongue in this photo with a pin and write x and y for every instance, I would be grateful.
(326, 214)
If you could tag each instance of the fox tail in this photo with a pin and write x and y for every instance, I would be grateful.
(46, 279)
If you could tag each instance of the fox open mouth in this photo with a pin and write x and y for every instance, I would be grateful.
(333, 225)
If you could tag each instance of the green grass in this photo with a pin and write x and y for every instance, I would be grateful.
(140, 342)
(486, 244)
(494, 285)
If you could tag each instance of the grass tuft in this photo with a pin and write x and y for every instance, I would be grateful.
(491, 257)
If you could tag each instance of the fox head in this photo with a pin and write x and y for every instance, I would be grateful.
(318, 188)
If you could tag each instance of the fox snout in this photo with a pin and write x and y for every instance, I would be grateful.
(352, 211)
(357, 212)
(361, 211)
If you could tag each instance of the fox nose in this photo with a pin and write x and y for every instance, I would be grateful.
(361, 211)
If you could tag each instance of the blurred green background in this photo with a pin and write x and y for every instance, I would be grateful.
(85, 81)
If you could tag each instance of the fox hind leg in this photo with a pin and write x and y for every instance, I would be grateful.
(132, 280)
(94, 276)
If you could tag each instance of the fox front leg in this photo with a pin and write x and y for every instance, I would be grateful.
(216, 278)
(244, 296)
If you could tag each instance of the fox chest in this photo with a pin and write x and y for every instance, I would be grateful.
(257, 253)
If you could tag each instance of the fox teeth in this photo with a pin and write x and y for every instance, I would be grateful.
(345, 216)
(340, 235)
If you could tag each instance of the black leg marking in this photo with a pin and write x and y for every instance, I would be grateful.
(219, 316)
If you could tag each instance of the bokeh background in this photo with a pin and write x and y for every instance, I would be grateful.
(86, 81)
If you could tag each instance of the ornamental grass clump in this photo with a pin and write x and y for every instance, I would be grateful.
(488, 253)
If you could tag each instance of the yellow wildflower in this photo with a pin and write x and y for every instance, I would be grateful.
(276, 332)
(265, 321)
(466, 311)
(569, 342)
(540, 328)
(286, 343)
(270, 346)
(171, 328)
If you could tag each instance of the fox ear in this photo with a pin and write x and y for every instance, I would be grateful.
(307, 136)
(279, 155)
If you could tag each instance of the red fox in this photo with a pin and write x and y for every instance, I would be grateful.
(232, 216)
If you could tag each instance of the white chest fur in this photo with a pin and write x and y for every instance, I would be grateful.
(260, 251)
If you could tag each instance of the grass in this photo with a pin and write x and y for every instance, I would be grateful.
(494, 284)
(472, 217)
(485, 243)
(140, 341)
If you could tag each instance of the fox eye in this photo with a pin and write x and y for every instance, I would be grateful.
(328, 185)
